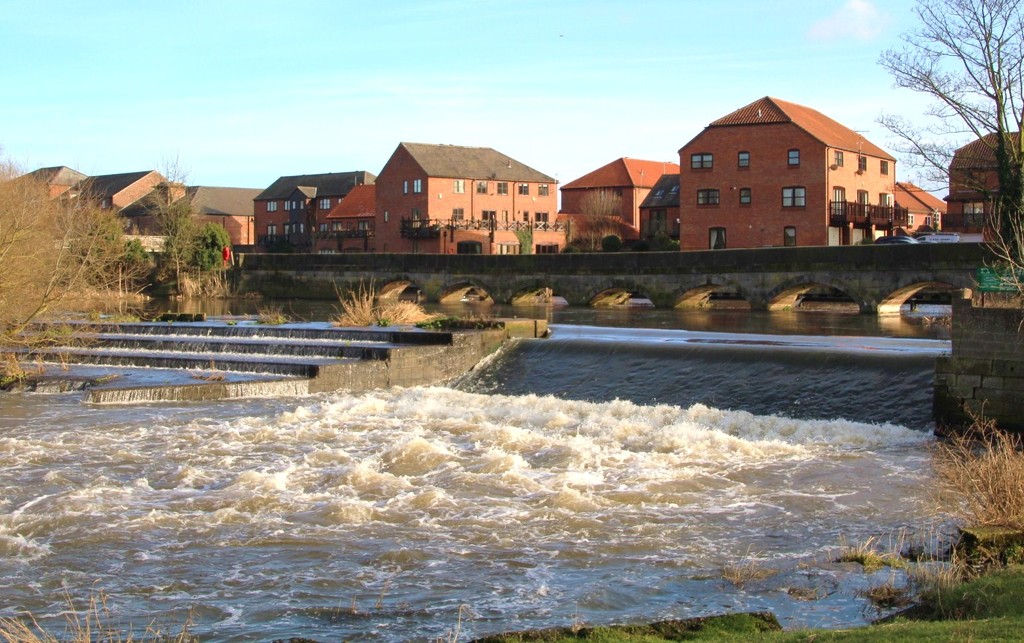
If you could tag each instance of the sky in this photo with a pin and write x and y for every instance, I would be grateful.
(238, 93)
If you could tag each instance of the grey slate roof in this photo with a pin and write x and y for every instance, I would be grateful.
(59, 175)
(222, 201)
(324, 185)
(664, 194)
(106, 185)
(453, 161)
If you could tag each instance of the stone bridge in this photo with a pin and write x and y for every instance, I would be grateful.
(879, 279)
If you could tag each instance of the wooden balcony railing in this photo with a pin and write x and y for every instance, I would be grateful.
(865, 215)
(431, 228)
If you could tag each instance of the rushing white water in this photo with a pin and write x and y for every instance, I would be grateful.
(377, 515)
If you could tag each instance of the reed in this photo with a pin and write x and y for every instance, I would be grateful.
(980, 476)
(361, 306)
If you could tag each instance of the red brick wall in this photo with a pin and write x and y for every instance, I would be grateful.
(762, 222)
(137, 190)
(438, 200)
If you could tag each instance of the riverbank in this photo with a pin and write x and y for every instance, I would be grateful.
(985, 609)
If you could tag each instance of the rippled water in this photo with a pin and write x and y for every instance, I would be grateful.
(601, 476)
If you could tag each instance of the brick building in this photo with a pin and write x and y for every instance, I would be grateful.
(468, 200)
(626, 181)
(775, 173)
(925, 211)
(288, 213)
(973, 188)
(659, 212)
(58, 179)
(349, 226)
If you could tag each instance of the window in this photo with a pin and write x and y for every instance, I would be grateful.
(744, 196)
(325, 204)
(707, 197)
(743, 159)
(789, 236)
(405, 187)
(417, 185)
(541, 217)
(862, 197)
(910, 219)
(363, 225)
(862, 163)
(106, 203)
(542, 189)
(272, 229)
(883, 167)
(524, 189)
(547, 248)
(701, 161)
(974, 207)
(416, 213)
(794, 158)
(884, 198)
(716, 238)
(481, 187)
(674, 190)
(488, 215)
(658, 222)
(526, 215)
(458, 186)
(336, 225)
(271, 206)
(507, 249)
(287, 205)
(838, 160)
(458, 214)
(795, 197)
(323, 227)
(838, 201)
(502, 187)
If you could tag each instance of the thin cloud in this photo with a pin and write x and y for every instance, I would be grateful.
(858, 19)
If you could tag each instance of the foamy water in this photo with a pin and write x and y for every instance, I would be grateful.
(375, 516)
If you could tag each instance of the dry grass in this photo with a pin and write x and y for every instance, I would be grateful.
(92, 625)
(272, 315)
(747, 570)
(888, 595)
(361, 307)
(981, 477)
(874, 553)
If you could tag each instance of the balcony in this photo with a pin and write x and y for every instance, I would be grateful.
(968, 222)
(431, 228)
(865, 215)
(346, 233)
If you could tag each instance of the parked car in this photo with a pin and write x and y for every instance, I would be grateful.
(895, 240)
(939, 237)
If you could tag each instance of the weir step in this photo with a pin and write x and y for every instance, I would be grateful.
(153, 361)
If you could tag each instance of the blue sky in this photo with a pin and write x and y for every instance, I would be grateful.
(241, 92)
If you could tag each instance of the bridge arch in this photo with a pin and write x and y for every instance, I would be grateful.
(892, 303)
(465, 290)
(536, 292)
(699, 296)
(619, 294)
(398, 289)
(788, 294)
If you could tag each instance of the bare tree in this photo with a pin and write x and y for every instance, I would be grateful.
(602, 216)
(52, 251)
(968, 57)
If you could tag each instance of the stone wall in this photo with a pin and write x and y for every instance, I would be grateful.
(984, 375)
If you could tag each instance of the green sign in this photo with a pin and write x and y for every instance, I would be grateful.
(990, 280)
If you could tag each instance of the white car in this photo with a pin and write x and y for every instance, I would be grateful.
(939, 237)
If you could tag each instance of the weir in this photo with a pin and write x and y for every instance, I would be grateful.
(137, 362)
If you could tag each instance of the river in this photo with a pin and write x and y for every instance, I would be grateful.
(615, 472)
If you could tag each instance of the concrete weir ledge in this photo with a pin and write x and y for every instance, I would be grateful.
(222, 359)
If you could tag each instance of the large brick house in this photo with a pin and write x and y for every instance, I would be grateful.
(349, 226)
(121, 191)
(470, 200)
(622, 184)
(925, 211)
(58, 179)
(774, 173)
(288, 213)
(973, 188)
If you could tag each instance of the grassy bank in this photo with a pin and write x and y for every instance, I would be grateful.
(989, 608)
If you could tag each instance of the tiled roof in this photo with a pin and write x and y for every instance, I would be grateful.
(325, 185)
(107, 185)
(457, 162)
(768, 110)
(915, 199)
(60, 175)
(624, 172)
(360, 202)
(664, 194)
(979, 154)
(222, 201)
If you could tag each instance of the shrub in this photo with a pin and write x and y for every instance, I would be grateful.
(611, 243)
